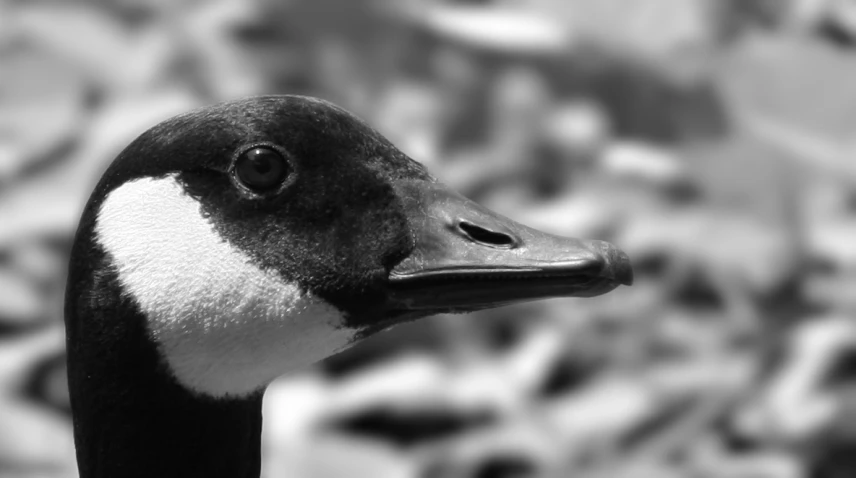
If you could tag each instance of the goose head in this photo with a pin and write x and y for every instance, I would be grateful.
(243, 241)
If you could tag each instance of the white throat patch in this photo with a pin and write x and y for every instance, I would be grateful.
(225, 326)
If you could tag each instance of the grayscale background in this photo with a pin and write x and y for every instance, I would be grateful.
(713, 140)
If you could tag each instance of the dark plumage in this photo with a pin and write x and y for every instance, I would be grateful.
(348, 226)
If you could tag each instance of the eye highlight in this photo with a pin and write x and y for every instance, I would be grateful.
(262, 169)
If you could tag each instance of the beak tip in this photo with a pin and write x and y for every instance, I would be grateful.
(625, 273)
(617, 264)
(619, 270)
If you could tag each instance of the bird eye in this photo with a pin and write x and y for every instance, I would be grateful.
(261, 169)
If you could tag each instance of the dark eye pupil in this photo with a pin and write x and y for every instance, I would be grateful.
(261, 169)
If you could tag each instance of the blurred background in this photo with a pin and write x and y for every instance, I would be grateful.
(713, 140)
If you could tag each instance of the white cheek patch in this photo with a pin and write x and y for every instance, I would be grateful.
(225, 326)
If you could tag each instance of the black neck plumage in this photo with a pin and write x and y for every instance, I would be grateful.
(131, 418)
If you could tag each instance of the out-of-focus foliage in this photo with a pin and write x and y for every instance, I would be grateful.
(714, 140)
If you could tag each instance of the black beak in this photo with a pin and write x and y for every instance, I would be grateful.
(467, 258)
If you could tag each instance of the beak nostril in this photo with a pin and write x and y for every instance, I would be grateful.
(486, 236)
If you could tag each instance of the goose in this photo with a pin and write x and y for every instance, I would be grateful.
(239, 242)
